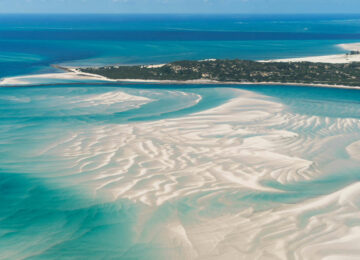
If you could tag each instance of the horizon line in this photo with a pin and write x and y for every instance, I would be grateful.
(172, 13)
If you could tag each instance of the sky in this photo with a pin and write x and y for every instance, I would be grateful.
(180, 6)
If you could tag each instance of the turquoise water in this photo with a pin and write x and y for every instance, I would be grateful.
(68, 221)
(45, 192)
(143, 171)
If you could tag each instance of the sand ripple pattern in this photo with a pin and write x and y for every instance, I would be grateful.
(238, 181)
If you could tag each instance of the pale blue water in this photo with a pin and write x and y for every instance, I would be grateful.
(52, 138)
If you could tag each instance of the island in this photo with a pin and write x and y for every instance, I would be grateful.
(236, 71)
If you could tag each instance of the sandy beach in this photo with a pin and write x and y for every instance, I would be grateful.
(79, 76)
(339, 58)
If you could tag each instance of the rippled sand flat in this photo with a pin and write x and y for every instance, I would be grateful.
(254, 176)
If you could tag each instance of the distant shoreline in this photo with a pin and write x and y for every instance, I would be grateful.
(74, 73)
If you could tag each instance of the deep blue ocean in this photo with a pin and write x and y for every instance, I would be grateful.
(144, 171)
(30, 43)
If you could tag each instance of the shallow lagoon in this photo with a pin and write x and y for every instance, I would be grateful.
(175, 172)
(134, 172)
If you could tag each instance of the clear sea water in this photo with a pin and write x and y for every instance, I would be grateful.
(60, 166)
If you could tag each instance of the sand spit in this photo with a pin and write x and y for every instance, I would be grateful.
(72, 74)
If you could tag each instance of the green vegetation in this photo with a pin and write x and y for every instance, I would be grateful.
(239, 71)
(354, 53)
